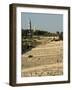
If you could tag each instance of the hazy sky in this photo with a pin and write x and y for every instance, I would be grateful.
(47, 22)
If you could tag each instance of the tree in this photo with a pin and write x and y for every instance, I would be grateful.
(57, 33)
(61, 36)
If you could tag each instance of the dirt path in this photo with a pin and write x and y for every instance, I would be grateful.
(47, 59)
(43, 66)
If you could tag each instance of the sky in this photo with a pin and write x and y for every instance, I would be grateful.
(42, 21)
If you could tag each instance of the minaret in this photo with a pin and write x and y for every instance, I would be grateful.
(34, 28)
(30, 31)
(30, 24)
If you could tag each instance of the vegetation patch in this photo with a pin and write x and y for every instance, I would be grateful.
(30, 56)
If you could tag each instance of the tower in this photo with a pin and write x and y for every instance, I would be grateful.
(30, 24)
(30, 29)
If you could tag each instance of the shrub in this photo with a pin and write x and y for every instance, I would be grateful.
(30, 56)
